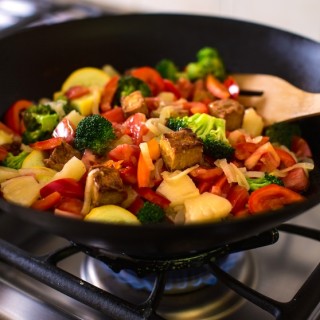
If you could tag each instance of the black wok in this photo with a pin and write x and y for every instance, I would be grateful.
(35, 62)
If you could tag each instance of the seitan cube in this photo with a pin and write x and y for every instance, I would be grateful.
(230, 110)
(134, 103)
(107, 187)
(180, 149)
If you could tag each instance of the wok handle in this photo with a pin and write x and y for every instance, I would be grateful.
(302, 304)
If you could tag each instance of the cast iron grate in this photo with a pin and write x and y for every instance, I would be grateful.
(45, 269)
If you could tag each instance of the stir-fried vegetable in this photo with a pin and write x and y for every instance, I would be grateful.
(156, 144)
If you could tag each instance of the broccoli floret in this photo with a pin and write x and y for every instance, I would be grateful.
(150, 213)
(256, 183)
(129, 84)
(14, 162)
(39, 121)
(208, 62)
(210, 130)
(167, 69)
(94, 132)
(283, 133)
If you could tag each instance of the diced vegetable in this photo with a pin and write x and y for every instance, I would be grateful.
(87, 77)
(111, 214)
(74, 169)
(206, 207)
(24, 190)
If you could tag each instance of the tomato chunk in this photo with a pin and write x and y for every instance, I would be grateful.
(272, 197)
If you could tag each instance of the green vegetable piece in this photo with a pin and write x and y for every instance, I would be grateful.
(94, 132)
(129, 84)
(167, 69)
(150, 213)
(14, 162)
(208, 62)
(283, 133)
(39, 121)
(257, 183)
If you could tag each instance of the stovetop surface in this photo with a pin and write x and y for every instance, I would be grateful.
(279, 270)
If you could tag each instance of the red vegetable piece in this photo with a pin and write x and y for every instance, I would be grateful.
(151, 77)
(150, 195)
(48, 202)
(76, 92)
(272, 197)
(108, 93)
(114, 115)
(217, 88)
(67, 187)
(72, 205)
(13, 116)
(238, 197)
(47, 144)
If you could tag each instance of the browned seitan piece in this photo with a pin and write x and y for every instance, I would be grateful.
(107, 186)
(134, 103)
(180, 149)
(230, 110)
(60, 156)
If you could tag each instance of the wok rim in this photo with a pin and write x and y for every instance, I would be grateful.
(28, 214)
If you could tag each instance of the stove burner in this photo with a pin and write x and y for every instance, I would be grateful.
(189, 294)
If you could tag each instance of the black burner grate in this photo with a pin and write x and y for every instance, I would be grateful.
(45, 269)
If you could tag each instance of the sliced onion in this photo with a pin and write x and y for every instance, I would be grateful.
(178, 174)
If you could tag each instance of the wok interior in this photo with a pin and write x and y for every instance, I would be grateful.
(52, 53)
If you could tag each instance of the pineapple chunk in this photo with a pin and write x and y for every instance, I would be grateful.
(207, 207)
(7, 173)
(24, 190)
(5, 137)
(88, 103)
(111, 214)
(33, 159)
(252, 123)
(74, 117)
(42, 174)
(74, 169)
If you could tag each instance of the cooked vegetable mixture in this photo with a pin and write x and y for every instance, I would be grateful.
(156, 144)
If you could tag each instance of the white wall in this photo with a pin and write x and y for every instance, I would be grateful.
(298, 16)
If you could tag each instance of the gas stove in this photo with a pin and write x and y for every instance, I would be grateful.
(46, 277)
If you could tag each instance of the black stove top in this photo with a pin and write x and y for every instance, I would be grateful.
(277, 271)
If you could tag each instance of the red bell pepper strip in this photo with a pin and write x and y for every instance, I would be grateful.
(48, 202)
(151, 77)
(3, 153)
(76, 92)
(108, 93)
(67, 187)
(72, 205)
(136, 205)
(150, 195)
(115, 114)
(300, 147)
(13, 118)
(217, 88)
(232, 86)
(47, 144)
(169, 86)
(238, 197)
(272, 197)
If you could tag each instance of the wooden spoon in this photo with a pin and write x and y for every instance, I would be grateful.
(279, 101)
